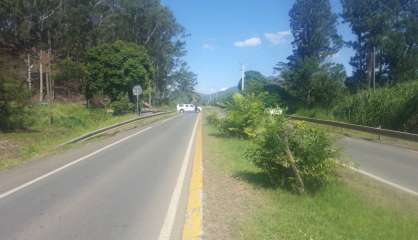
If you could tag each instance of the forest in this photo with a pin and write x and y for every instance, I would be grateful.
(88, 51)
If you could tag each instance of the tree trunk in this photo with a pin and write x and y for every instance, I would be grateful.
(41, 81)
(29, 79)
(301, 186)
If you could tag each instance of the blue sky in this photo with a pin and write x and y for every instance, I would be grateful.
(227, 33)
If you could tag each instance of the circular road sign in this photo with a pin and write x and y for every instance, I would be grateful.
(137, 90)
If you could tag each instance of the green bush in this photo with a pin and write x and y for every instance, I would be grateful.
(213, 119)
(243, 117)
(393, 108)
(122, 105)
(114, 68)
(14, 104)
(311, 149)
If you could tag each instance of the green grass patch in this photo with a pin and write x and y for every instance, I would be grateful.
(352, 207)
(320, 113)
(52, 126)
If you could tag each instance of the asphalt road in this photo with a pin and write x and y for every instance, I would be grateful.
(394, 164)
(122, 192)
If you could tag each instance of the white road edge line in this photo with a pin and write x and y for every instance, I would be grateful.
(168, 119)
(14, 190)
(397, 186)
(167, 228)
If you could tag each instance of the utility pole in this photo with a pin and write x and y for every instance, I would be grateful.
(242, 77)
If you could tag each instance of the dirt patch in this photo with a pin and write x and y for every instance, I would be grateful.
(8, 150)
(228, 202)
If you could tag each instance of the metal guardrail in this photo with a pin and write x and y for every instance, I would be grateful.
(378, 131)
(105, 129)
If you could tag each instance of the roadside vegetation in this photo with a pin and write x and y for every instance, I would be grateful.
(382, 89)
(68, 67)
(89, 51)
(294, 156)
(301, 191)
(346, 206)
(49, 127)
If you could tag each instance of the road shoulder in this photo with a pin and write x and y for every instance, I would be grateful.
(31, 169)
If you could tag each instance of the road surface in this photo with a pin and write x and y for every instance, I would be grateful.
(394, 164)
(122, 192)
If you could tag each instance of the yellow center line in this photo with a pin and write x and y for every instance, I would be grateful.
(193, 225)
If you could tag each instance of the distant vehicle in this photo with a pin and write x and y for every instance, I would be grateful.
(181, 108)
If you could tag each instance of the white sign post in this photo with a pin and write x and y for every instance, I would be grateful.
(137, 90)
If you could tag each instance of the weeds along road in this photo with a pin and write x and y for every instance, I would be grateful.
(121, 192)
(391, 163)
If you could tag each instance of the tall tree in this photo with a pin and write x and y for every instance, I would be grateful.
(183, 83)
(115, 68)
(387, 32)
(314, 28)
(71, 27)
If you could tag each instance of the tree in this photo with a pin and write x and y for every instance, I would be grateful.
(314, 28)
(254, 82)
(113, 69)
(313, 83)
(387, 32)
(262, 87)
(71, 27)
(13, 103)
(183, 82)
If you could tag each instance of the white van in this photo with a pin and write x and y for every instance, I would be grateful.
(181, 108)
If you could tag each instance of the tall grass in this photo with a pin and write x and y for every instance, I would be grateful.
(393, 108)
(51, 126)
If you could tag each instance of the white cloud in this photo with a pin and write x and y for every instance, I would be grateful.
(223, 89)
(208, 46)
(252, 42)
(278, 37)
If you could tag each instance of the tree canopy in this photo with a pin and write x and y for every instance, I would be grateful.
(307, 73)
(314, 29)
(114, 69)
(387, 30)
(71, 27)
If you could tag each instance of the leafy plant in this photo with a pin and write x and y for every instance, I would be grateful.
(213, 119)
(14, 105)
(393, 108)
(122, 105)
(294, 156)
(244, 116)
(113, 69)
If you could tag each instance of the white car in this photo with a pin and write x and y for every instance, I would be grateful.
(181, 108)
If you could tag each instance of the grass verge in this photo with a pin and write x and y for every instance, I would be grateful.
(353, 207)
(52, 126)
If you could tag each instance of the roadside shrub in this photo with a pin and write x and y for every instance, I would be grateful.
(213, 119)
(122, 105)
(14, 105)
(392, 108)
(310, 147)
(244, 116)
